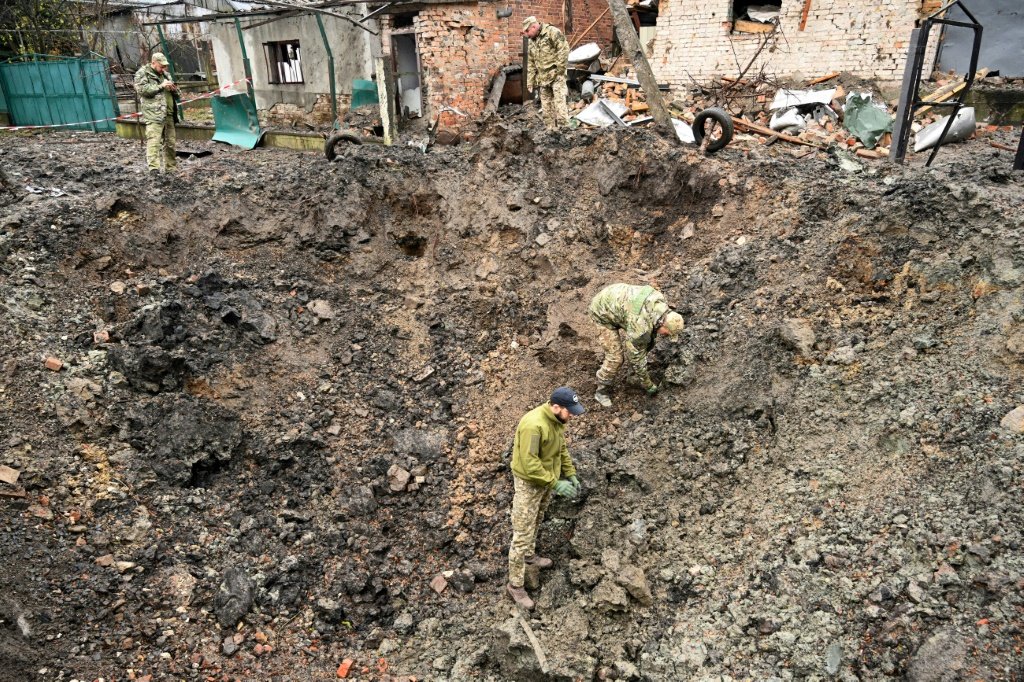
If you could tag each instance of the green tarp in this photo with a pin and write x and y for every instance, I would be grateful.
(866, 121)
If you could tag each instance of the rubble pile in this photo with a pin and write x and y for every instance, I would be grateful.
(255, 417)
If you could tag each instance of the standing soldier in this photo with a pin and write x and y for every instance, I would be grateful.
(159, 111)
(546, 65)
(540, 465)
(642, 314)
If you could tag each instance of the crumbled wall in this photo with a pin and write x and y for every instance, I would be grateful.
(463, 45)
(868, 38)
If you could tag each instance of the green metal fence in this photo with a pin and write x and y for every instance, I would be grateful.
(62, 90)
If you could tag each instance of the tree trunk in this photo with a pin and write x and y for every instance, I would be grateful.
(630, 43)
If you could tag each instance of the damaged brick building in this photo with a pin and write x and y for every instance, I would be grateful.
(705, 38)
(446, 54)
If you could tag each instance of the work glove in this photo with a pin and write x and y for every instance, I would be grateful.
(653, 389)
(576, 484)
(564, 489)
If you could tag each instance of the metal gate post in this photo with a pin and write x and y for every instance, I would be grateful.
(163, 46)
(85, 93)
(330, 67)
(245, 64)
(1018, 161)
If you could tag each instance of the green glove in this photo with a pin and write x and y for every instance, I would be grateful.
(576, 484)
(564, 489)
(653, 389)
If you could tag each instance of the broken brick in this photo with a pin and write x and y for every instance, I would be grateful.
(9, 475)
(344, 668)
(438, 584)
(100, 337)
(53, 364)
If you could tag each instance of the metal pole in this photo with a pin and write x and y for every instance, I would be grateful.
(330, 71)
(908, 95)
(163, 46)
(1018, 162)
(245, 63)
(85, 93)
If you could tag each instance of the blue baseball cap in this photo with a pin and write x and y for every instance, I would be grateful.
(567, 398)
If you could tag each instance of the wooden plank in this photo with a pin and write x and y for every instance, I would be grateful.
(744, 26)
(947, 92)
(834, 74)
(803, 15)
(747, 125)
(580, 37)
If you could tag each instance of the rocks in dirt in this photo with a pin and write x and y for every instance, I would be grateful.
(635, 582)
(321, 309)
(1013, 421)
(398, 478)
(438, 583)
(420, 443)
(183, 439)
(609, 597)
(149, 368)
(9, 475)
(941, 658)
(844, 355)
(797, 334)
(234, 597)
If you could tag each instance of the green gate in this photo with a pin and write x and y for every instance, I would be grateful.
(60, 91)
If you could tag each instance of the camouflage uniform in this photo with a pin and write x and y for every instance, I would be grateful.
(635, 310)
(158, 113)
(539, 459)
(546, 65)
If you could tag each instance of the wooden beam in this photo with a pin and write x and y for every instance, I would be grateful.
(947, 92)
(577, 39)
(630, 43)
(740, 123)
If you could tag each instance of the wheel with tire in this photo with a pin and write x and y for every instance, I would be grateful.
(330, 145)
(716, 125)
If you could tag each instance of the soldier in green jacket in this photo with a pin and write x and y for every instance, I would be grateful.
(159, 110)
(545, 68)
(540, 466)
(642, 314)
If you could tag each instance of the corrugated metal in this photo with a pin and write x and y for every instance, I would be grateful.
(59, 91)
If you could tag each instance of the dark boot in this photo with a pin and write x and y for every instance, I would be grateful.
(520, 597)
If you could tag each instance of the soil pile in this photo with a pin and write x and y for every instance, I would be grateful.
(260, 413)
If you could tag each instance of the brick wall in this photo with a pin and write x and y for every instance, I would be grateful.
(584, 13)
(463, 45)
(868, 38)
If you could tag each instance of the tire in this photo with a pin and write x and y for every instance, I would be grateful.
(716, 116)
(329, 146)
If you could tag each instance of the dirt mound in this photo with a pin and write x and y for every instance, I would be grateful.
(288, 389)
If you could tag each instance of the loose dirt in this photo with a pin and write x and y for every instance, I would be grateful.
(288, 389)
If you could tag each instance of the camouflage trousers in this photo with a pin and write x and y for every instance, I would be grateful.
(553, 104)
(612, 347)
(160, 140)
(528, 507)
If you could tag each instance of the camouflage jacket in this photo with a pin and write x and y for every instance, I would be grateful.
(539, 454)
(157, 103)
(635, 310)
(548, 58)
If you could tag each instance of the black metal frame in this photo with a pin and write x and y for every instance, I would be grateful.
(1018, 161)
(910, 94)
